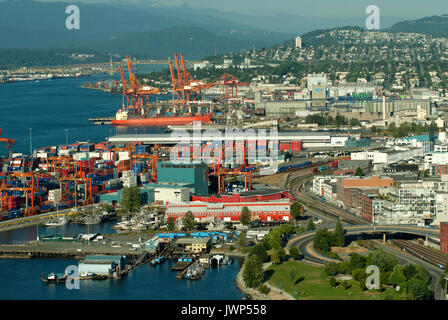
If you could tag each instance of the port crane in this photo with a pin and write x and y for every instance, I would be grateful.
(186, 88)
(135, 94)
(10, 142)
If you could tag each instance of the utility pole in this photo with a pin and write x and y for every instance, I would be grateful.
(31, 142)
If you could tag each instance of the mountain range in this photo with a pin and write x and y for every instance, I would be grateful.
(148, 29)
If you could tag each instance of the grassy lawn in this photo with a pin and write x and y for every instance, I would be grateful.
(312, 283)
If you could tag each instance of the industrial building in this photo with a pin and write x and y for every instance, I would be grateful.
(195, 174)
(101, 264)
(196, 245)
(276, 210)
(444, 237)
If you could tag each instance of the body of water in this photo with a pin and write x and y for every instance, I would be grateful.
(21, 279)
(49, 107)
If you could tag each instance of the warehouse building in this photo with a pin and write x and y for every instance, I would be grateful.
(101, 264)
(276, 210)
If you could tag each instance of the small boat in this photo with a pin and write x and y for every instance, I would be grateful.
(55, 278)
(59, 222)
(92, 220)
(99, 277)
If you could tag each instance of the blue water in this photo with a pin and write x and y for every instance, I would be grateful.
(49, 107)
(20, 279)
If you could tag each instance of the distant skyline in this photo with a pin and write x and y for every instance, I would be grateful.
(407, 9)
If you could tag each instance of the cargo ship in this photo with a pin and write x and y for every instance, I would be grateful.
(122, 118)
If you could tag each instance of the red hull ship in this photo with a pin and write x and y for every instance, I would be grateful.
(161, 121)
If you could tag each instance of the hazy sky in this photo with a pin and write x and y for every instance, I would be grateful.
(324, 8)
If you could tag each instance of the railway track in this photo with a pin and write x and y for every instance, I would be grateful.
(310, 202)
(426, 254)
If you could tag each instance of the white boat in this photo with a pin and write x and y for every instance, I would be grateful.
(59, 222)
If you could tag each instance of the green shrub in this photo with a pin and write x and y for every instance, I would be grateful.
(333, 282)
(264, 289)
(232, 247)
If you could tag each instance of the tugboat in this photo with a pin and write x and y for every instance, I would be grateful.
(54, 278)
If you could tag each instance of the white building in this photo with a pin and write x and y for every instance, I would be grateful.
(168, 193)
(414, 205)
(317, 79)
(387, 156)
(299, 42)
(432, 158)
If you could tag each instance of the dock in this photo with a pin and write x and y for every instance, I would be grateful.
(181, 265)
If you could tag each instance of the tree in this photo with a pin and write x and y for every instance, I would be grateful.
(171, 224)
(295, 209)
(245, 216)
(188, 220)
(384, 261)
(422, 274)
(275, 256)
(108, 208)
(292, 275)
(253, 272)
(260, 251)
(242, 240)
(294, 253)
(339, 238)
(345, 284)
(331, 268)
(333, 282)
(357, 261)
(311, 226)
(322, 240)
(359, 172)
(130, 199)
(358, 274)
(397, 276)
(417, 290)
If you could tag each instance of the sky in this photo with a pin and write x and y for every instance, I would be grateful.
(318, 8)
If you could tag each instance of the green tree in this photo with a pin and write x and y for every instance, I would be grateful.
(384, 261)
(260, 251)
(358, 274)
(397, 276)
(322, 240)
(292, 275)
(242, 240)
(359, 172)
(108, 208)
(333, 282)
(130, 199)
(245, 216)
(275, 256)
(345, 284)
(294, 253)
(295, 209)
(171, 224)
(417, 290)
(311, 226)
(188, 220)
(331, 268)
(357, 261)
(339, 237)
(253, 272)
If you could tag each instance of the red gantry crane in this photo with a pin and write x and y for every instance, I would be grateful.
(10, 142)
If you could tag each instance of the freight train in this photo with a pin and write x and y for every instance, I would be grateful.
(301, 165)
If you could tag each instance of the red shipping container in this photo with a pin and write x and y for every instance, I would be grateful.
(284, 146)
